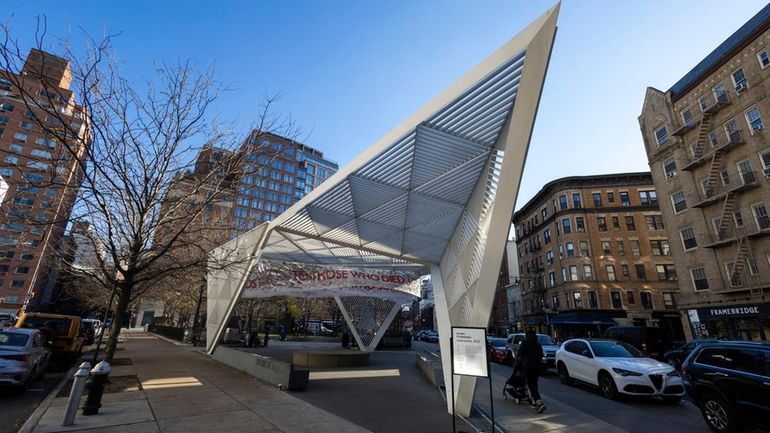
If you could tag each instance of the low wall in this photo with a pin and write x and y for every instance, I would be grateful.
(431, 368)
(330, 358)
(264, 368)
(167, 331)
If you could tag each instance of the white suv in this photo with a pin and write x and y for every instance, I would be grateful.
(617, 368)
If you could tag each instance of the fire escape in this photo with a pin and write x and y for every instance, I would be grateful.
(726, 193)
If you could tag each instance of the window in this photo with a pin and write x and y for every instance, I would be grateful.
(552, 278)
(677, 199)
(668, 301)
(760, 215)
(688, 238)
(21, 136)
(764, 157)
(576, 203)
(597, 199)
(580, 224)
(570, 249)
(24, 201)
(660, 248)
(615, 223)
(544, 213)
(566, 225)
(593, 301)
(646, 298)
(610, 197)
(739, 80)
(654, 222)
(15, 284)
(617, 302)
(753, 119)
(635, 247)
(6, 108)
(602, 223)
(630, 298)
(687, 117)
(699, 280)
(648, 198)
(588, 272)
(712, 136)
(666, 272)
(25, 125)
(640, 272)
(669, 167)
(661, 135)
(738, 218)
(606, 248)
(630, 223)
(10, 159)
(578, 298)
(624, 270)
(584, 249)
(764, 60)
(549, 257)
(624, 200)
(561, 252)
(611, 272)
(619, 247)
(573, 273)
(562, 202)
(547, 236)
(22, 270)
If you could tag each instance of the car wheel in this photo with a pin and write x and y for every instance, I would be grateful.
(607, 386)
(672, 399)
(563, 374)
(718, 415)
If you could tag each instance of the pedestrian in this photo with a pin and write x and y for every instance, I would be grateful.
(530, 356)
(267, 334)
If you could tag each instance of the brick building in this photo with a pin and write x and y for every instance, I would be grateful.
(43, 177)
(593, 253)
(709, 154)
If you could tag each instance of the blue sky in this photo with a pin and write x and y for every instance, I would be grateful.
(349, 71)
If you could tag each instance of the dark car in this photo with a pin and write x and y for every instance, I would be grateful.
(498, 351)
(730, 383)
(655, 342)
(675, 357)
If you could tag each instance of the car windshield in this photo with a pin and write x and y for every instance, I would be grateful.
(614, 349)
(544, 340)
(497, 342)
(13, 339)
(59, 327)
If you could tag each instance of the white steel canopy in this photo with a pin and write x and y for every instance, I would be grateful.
(435, 194)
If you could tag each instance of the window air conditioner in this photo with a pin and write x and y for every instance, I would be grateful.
(757, 127)
(740, 87)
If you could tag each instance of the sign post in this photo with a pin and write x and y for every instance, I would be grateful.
(468, 350)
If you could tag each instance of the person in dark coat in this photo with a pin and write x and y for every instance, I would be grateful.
(530, 355)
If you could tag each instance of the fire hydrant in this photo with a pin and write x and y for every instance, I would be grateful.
(98, 379)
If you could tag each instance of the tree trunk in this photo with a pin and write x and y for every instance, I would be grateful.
(117, 323)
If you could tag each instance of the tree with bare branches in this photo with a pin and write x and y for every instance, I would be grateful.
(136, 148)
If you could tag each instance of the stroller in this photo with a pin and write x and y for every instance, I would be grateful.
(516, 386)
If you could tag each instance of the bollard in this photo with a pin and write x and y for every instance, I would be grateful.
(98, 379)
(76, 393)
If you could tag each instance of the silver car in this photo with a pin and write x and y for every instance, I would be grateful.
(24, 355)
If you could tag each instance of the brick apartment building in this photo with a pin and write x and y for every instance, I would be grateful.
(43, 178)
(709, 153)
(593, 253)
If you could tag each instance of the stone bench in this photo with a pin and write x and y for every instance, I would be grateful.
(270, 370)
(330, 358)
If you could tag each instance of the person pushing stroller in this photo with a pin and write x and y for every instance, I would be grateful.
(526, 368)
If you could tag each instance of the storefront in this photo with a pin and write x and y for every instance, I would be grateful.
(750, 322)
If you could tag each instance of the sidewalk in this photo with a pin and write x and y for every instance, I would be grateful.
(185, 391)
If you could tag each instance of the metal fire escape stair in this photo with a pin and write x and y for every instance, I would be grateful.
(716, 167)
(727, 212)
(703, 129)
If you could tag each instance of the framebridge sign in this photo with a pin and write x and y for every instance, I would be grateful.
(734, 311)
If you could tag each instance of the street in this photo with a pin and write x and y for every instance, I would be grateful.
(635, 415)
(17, 408)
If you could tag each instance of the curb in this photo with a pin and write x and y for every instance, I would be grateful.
(33, 420)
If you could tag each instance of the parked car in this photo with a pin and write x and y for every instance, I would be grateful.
(8, 319)
(430, 337)
(617, 368)
(64, 331)
(498, 351)
(97, 325)
(730, 382)
(676, 356)
(655, 342)
(549, 348)
(24, 355)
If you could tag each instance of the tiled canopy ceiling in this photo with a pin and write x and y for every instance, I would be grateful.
(402, 206)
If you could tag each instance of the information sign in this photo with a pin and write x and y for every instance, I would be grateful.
(469, 351)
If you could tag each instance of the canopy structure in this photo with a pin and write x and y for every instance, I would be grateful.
(435, 195)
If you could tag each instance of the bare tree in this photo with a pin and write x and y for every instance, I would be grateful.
(133, 147)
